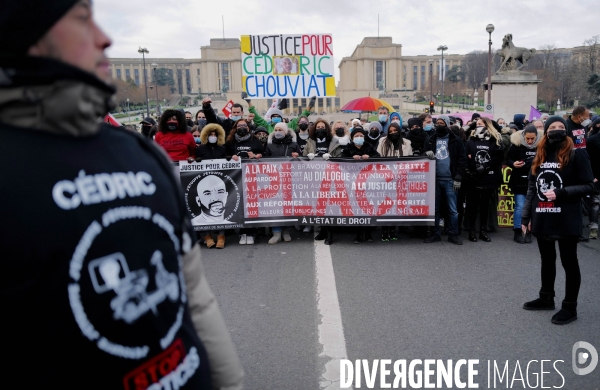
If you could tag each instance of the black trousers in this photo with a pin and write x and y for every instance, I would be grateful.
(478, 199)
(568, 256)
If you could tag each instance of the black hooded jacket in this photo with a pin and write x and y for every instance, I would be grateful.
(351, 150)
(418, 139)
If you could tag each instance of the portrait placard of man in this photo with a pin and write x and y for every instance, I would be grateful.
(212, 199)
(286, 65)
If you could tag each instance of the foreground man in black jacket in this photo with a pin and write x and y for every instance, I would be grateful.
(100, 282)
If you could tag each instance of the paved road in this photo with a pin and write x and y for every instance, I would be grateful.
(399, 300)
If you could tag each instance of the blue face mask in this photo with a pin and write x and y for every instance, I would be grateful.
(382, 118)
(358, 141)
(235, 118)
(197, 139)
(428, 127)
(276, 119)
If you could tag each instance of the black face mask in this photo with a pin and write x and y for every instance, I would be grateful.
(441, 130)
(172, 126)
(340, 132)
(146, 130)
(416, 129)
(321, 133)
(190, 123)
(374, 133)
(242, 131)
(394, 136)
(303, 126)
(557, 136)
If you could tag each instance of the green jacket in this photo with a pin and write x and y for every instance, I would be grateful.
(260, 121)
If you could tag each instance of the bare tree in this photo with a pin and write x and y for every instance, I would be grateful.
(592, 52)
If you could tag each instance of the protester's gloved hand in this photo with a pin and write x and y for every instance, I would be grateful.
(310, 156)
(245, 97)
(326, 156)
(311, 104)
(430, 155)
(456, 186)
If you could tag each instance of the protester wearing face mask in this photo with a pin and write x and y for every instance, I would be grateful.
(241, 143)
(173, 136)
(520, 157)
(320, 140)
(427, 121)
(576, 126)
(417, 136)
(212, 138)
(393, 145)
(451, 162)
(374, 134)
(196, 135)
(383, 116)
(281, 143)
(485, 152)
(302, 134)
(147, 124)
(237, 113)
(396, 118)
(360, 150)
(262, 134)
(560, 177)
(340, 134)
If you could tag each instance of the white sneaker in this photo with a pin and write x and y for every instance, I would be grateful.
(250, 240)
(243, 239)
(307, 229)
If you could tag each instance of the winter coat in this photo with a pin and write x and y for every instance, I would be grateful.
(179, 146)
(241, 148)
(107, 201)
(577, 133)
(456, 149)
(488, 155)
(351, 150)
(208, 151)
(561, 217)
(406, 149)
(311, 146)
(417, 139)
(211, 117)
(593, 148)
(282, 147)
(519, 152)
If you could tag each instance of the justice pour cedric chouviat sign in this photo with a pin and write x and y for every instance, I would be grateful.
(287, 66)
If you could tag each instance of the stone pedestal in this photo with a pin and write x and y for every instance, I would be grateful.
(513, 92)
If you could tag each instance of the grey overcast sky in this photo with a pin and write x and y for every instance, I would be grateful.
(170, 28)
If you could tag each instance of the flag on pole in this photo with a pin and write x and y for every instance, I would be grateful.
(111, 120)
(534, 114)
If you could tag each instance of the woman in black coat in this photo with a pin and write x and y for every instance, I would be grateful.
(360, 150)
(485, 154)
(560, 177)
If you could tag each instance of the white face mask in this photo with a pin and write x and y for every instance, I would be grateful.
(212, 139)
(586, 122)
(279, 134)
(343, 140)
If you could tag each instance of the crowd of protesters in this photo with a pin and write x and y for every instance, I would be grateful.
(470, 158)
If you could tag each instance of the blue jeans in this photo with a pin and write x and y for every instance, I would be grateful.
(519, 203)
(276, 229)
(443, 189)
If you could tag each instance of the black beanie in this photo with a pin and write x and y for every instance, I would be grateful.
(475, 116)
(551, 120)
(358, 129)
(26, 21)
(414, 121)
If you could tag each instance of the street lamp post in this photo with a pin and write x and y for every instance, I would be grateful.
(430, 80)
(143, 51)
(128, 114)
(489, 28)
(442, 48)
(154, 65)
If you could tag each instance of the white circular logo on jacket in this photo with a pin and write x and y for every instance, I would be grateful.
(546, 181)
